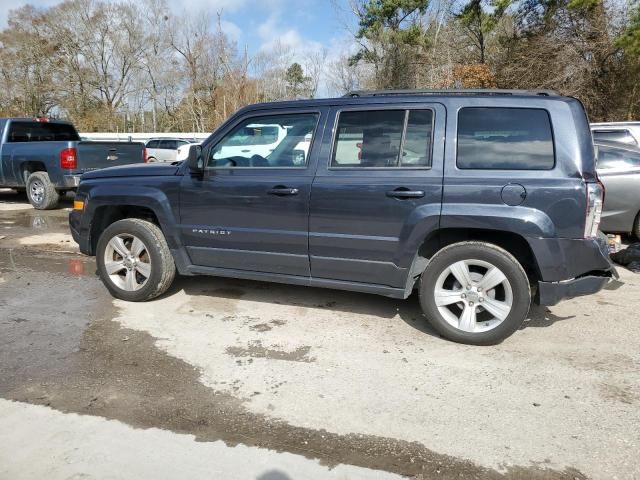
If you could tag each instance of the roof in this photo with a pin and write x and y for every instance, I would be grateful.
(453, 91)
(36, 119)
(409, 96)
(616, 124)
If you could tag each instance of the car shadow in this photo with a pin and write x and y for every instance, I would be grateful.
(408, 310)
(540, 316)
(306, 297)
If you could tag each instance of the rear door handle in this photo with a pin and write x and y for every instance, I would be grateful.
(282, 191)
(405, 193)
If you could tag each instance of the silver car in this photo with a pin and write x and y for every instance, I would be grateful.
(619, 169)
(164, 149)
(624, 132)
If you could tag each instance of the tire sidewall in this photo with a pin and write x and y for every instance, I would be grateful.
(153, 249)
(493, 255)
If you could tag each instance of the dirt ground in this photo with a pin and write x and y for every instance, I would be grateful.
(229, 379)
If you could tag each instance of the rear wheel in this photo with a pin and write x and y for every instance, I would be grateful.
(636, 227)
(151, 159)
(134, 261)
(475, 293)
(41, 192)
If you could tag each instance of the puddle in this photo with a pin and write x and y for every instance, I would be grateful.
(23, 259)
(54, 221)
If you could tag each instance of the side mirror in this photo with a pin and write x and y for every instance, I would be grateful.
(195, 159)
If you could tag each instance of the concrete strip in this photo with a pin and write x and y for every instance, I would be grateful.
(39, 442)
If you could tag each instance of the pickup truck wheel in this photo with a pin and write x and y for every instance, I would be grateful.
(41, 192)
(475, 293)
(134, 261)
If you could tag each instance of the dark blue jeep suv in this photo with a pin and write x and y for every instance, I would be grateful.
(480, 200)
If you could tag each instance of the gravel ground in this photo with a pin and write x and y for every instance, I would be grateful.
(343, 385)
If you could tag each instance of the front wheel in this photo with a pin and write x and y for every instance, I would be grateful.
(475, 293)
(134, 261)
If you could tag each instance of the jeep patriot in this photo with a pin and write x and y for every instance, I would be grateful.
(482, 201)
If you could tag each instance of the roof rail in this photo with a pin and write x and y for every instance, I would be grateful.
(452, 91)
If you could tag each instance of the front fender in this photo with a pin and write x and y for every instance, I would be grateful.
(152, 198)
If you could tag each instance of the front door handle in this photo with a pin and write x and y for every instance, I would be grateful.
(405, 193)
(282, 191)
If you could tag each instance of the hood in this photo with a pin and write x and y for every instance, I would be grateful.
(136, 170)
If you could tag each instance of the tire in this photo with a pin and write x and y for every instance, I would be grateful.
(151, 159)
(462, 315)
(41, 193)
(146, 272)
(636, 227)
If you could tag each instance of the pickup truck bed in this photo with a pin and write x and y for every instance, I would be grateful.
(47, 158)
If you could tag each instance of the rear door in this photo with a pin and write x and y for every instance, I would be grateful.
(167, 150)
(380, 174)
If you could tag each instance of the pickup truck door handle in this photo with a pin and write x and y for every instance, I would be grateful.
(282, 191)
(405, 193)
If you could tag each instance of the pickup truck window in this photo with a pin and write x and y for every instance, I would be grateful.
(505, 139)
(383, 139)
(617, 158)
(279, 141)
(33, 131)
(622, 135)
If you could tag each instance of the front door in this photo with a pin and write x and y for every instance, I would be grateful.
(377, 191)
(250, 211)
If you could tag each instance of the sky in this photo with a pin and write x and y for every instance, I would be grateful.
(302, 25)
(257, 24)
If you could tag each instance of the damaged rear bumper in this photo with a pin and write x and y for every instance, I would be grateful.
(550, 293)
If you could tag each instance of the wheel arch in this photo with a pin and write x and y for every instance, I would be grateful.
(107, 207)
(514, 243)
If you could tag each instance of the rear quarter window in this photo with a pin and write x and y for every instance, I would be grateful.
(492, 138)
(41, 132)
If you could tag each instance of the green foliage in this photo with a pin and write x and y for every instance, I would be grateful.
(480, 18)
(630, 39)
(390, 34)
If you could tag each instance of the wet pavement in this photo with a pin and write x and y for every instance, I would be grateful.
(318, 373)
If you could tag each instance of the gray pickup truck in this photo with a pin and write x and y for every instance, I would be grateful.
(46, 157)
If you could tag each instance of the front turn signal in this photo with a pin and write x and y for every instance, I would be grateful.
(78, 204)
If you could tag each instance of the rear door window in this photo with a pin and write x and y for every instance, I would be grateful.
(20, 131)
(168, 144)
(383, 139)
(153, 144)
(491, 138)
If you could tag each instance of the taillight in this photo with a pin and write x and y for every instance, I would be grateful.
(595, 201)
(69, 158)
(144, 155)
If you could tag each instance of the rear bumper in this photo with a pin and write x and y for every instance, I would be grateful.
(584, 268)
(70, 181)
(550, 293)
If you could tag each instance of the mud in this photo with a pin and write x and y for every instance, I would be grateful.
(257, 350)
(60, 348)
